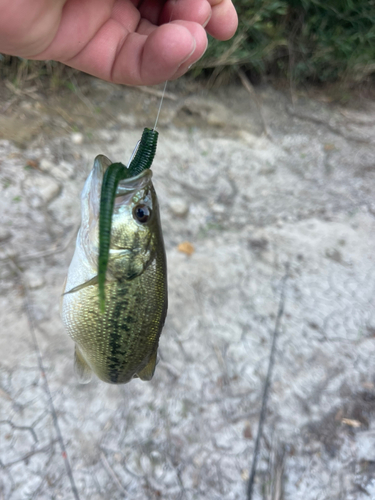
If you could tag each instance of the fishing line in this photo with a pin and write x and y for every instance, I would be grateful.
(166, 82)
(161, 102)
(133, 154)
(38, 352)
(267, 384)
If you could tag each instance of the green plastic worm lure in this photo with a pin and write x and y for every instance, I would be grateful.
(115, 296)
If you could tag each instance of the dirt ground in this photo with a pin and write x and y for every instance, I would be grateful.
(252, 189)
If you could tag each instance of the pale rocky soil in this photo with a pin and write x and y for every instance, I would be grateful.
(249, 203)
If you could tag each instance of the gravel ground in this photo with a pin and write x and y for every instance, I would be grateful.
(250, 201)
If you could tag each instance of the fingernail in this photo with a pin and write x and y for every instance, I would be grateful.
(192, 64)
(190, 54)
(201, 55)
(207, 20)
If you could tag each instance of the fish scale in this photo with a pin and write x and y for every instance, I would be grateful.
(120, 343)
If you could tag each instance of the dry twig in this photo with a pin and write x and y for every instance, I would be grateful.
(267, 384)
(158, 93)
(112, 473)
(248, 86)
(45, 253)
(30, 320)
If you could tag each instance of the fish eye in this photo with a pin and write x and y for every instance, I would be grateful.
(142, 213)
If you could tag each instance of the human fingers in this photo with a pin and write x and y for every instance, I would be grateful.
(224, 20)
(114, 52)
(155, 12)
(198, 11)
(218, 16)
(152, 59)
(199, 33)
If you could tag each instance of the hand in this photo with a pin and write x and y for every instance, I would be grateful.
(133, 42)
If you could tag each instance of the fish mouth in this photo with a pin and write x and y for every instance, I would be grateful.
(134, 183)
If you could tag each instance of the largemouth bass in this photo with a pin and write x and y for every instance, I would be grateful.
(121, 342)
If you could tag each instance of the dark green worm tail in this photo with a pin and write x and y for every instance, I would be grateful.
(112, 176)
(146, 152)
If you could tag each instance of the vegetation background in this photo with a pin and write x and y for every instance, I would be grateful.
(303, 41)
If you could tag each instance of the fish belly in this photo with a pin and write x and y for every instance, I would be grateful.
(122, 342)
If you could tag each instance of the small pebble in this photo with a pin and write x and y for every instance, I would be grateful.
(218, 116)
(351, 422)
(46, 165)
(77, 138)
(48, 191)
(186, 247)
(245, 475)
(61, 172)
(27, 106)
(34, 280)
(106, 135)
(218, 209)
(179, 207)
(129, 120)
(40, 190)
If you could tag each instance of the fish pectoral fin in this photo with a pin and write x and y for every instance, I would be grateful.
(148, 371)
(93, 281)
(81, 368)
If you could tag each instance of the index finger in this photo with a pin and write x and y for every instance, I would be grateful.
(224, 21)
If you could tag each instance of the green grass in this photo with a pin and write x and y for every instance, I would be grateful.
(303, 40)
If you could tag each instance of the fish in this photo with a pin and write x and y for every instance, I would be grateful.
(119, 341)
